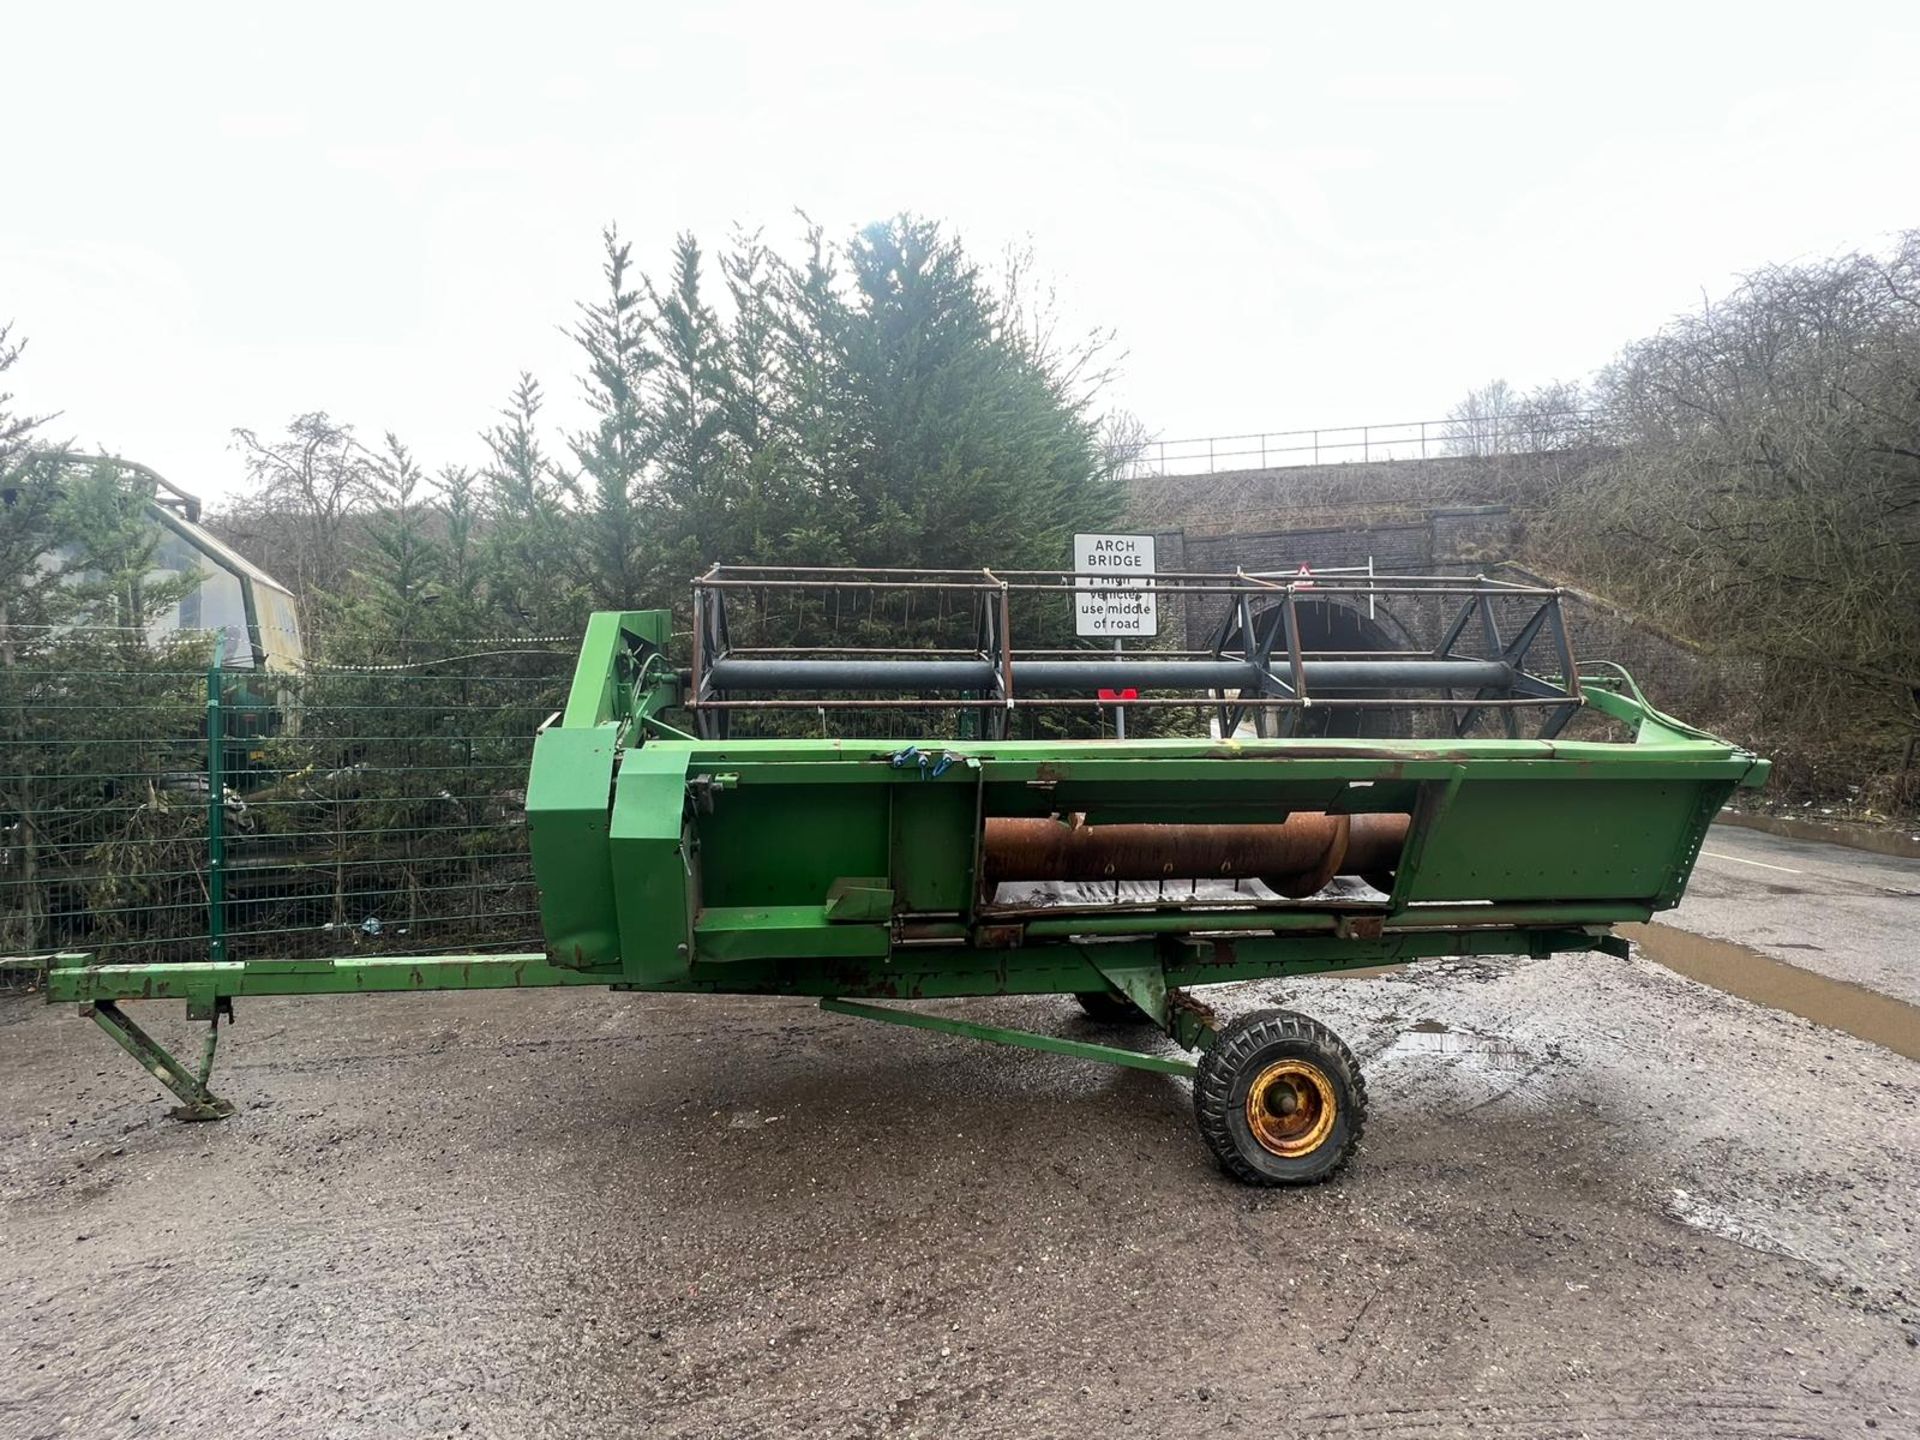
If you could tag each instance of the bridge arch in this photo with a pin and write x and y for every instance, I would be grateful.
(1342, 626)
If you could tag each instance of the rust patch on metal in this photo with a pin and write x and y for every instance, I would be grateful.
(850, 977)
(999, 937)
(1199, 1009)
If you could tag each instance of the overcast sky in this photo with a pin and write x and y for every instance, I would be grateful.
(221, 217)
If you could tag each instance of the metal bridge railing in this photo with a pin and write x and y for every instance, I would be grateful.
(1521, 434)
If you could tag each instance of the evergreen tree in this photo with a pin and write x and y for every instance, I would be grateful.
(531, 562)
(820, 418)
(30, 590)
(871, 402)
(753, 372)
(972, 453)
(460, 558)
(81, 589)
(400, 566)
(16, 431)
(772, 506)
(687, 413)
(613, 454)
(106, 544)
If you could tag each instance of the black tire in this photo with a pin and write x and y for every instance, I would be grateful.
(1312, 1105)
(1111, 1008)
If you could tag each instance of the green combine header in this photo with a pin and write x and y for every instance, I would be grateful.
(1346, 807)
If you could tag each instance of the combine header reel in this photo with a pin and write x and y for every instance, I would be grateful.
(1341, 805)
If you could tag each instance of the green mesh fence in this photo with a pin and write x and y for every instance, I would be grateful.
(150, 811)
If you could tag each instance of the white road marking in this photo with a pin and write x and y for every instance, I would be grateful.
(1785, 869)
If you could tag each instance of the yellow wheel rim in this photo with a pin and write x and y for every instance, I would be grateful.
(1291, 1108)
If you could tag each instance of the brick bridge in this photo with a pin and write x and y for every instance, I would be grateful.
(1451, 515)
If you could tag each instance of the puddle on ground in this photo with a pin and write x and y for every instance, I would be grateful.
(1702, 1214)
(1837, 1004)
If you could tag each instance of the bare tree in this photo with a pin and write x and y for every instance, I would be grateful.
(316, 478)
(1124, 442)
(1767, 491)
(1496, 419)
(1077, 367)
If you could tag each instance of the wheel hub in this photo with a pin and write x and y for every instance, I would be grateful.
(1291, 1107)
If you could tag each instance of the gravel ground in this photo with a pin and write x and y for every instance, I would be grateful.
(1594, 1199)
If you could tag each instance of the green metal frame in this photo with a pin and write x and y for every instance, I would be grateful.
(1000, 1035)
(959, 972)
(197, 1102)
(847, 871)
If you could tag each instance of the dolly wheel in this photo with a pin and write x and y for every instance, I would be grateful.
(1111, 1008)
(1279, 1099)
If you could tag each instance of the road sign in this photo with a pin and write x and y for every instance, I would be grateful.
(1124, 604)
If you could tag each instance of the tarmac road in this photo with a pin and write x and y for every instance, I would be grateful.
(1595, 1199)
(1842, 913)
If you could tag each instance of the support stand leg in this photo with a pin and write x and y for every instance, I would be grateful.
(197, 1102)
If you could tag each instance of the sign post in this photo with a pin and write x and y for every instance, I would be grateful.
(1121, 568)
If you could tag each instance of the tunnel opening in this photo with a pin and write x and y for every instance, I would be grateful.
(1345, 627)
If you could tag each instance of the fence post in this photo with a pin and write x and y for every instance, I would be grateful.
(216, 818)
